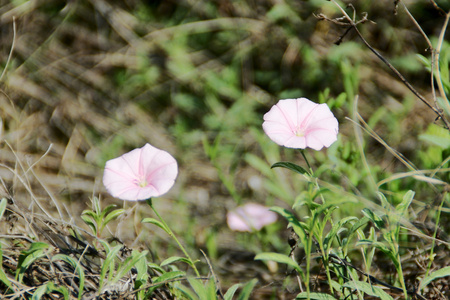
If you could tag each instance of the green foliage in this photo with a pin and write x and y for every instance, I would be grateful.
(27, 257)
(78, 270)
(97, 218)
(48, 288)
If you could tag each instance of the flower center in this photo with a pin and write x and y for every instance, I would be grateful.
(299, 132)
(142, 182)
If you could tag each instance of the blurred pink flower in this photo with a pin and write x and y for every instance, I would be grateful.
(301, 123)
(250, 217)
(140, 174)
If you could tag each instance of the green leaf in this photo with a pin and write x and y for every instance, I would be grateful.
(78, 269)
(231, 291)
(293, 222)
(203, 292)
(91, 214)
(155, 222)
(27, 257)
(96, 205)
(280, 258)
(187, 293)
(329, 237)
(3, 277)
(169, 276)
(315, 296)
(406, 202)
(376, 220)
(128, 264)
(166, 277)
(444, 272)
(88, 221)
(155, 267)
(107, 210)
(437, 136)
(358, 224)
(247, 290)
(111, 216)
(3, 203)
(384, 202)
(368, 289)
(174, 259)
(198, 288)
(48, 288)
(108, 264)
(290, 166)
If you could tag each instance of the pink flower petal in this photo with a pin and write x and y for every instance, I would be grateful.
(250, 217)
(301, 123)
(140, 174)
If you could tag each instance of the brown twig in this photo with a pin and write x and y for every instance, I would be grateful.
(353, 24)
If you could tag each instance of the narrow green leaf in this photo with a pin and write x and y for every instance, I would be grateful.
(198, 288)
(108, 264)
(3, 203)
(360, 223)
(231, 291)
(78, 269)
(107, 210)
(247, 290)
(155, 267)
(96, 204)
(48, 288)
(290, 166)
(129, 263)
(91, 214)
(111, 216)
(169, 276)
(155, 222)
(187, 293)
(280, 258)
(376, 220)
(384, 201)
(444, 272)
(39, 292)
(368, 289)
(329, 237)
(406, 202)
(89, 222)
(174, 259)
(27, 257)
(293, 222)
(3, 277)
(315, 296)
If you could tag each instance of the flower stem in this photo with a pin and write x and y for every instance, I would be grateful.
(311, 172)
(171, 234)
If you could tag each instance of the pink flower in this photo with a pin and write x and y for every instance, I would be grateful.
(250, 217)
(301, 123)
(140, 174)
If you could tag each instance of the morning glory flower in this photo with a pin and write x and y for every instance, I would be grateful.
(140, 174)
(250, 217)
(301, 123)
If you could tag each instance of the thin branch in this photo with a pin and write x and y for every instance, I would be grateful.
(353, 24)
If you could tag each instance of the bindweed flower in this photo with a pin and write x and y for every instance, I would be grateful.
(300, 123)
(140, 174)
(250, 217)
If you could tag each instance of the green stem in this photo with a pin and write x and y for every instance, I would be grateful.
(311, 172)
(172, 235)
(433, 243)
